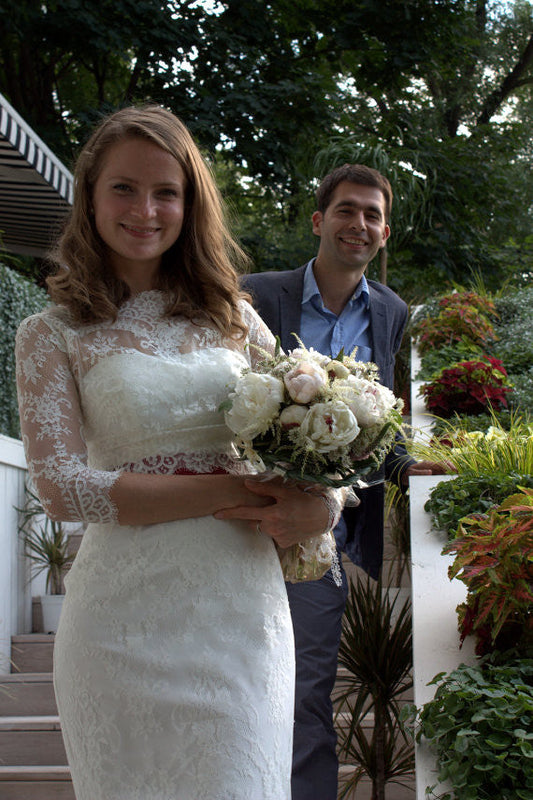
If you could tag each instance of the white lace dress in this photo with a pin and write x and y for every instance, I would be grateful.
(174, 665)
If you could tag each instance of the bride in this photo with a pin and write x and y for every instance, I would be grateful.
(173, 663)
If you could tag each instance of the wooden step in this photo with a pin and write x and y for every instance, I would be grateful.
(35, 741)
(36, 783)
(27, 694)
(32, 652)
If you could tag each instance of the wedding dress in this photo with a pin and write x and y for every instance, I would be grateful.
(173, 663)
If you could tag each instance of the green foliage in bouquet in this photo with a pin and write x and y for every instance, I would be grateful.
(480, 726)
(494, 559)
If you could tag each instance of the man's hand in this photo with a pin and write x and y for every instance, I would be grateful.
(293, 515)
(426, 468)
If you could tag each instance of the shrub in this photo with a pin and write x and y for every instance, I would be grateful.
(521, 398)
(461, 317)
(515, 346)
(436, 360)
(450, 501)
(480, 726)
(494, 559)
(18, 299)
(468, 386)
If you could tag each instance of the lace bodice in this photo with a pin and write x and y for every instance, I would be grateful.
(141, 393)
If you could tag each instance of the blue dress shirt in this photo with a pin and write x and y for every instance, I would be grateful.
(328, 333)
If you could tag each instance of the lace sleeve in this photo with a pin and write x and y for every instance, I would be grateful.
(52, 429)
(258, 334)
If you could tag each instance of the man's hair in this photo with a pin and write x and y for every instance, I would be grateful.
(354, 173)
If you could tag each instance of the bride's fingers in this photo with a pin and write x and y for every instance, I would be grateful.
(241, 512)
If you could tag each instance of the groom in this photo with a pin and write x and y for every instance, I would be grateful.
(331, 305)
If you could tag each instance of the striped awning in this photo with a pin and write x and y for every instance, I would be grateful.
(35, 187)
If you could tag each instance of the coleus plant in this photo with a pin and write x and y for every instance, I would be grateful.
(461, 317)
(494, 558)
(470, 387)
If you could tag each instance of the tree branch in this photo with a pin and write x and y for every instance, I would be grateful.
(511, 82)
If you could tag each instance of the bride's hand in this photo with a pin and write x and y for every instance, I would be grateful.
(291, 516)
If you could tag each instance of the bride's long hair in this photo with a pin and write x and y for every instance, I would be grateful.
(199, 272)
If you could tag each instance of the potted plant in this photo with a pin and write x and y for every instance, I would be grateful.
(46, 545)
(376, 653)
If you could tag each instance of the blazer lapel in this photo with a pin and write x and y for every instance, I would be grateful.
(290, 308)
(379, 326)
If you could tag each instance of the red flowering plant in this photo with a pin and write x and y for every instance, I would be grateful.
(468, 387)
(494, 558)
(461, 317)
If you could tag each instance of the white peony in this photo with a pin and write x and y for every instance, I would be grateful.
(370, 402)
(256, 402)
(328, 426)
(336, 369)
(292, 416)
(305, 381)
(301, 354)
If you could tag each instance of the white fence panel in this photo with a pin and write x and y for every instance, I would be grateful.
(15, 591)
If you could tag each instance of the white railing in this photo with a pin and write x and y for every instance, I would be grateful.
(434, 598)
(15, 589)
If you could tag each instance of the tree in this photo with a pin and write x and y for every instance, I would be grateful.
(437, 91)
(63, 62)
(456, 113)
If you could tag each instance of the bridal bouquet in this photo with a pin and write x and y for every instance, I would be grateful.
(312, 418)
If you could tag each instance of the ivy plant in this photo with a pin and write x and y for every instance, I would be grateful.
(18, 299)
(480, 726)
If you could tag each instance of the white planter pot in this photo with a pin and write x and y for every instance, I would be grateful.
(51, 605)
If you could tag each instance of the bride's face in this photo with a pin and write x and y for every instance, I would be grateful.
(138, 203)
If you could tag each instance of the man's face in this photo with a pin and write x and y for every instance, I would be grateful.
(352, 229)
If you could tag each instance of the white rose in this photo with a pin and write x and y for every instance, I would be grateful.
(370, 402)
(328, 426)
(256, 402)
(305, 381)
(292, 416)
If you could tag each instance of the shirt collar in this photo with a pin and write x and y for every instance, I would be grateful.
(310, 289)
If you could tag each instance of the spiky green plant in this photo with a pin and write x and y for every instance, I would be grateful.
(498, 451)
(376, 652)
(45, 543)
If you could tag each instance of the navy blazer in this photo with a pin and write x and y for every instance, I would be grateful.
(277, 296)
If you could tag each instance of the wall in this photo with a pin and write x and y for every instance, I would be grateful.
(15, 590)
(434, 598)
